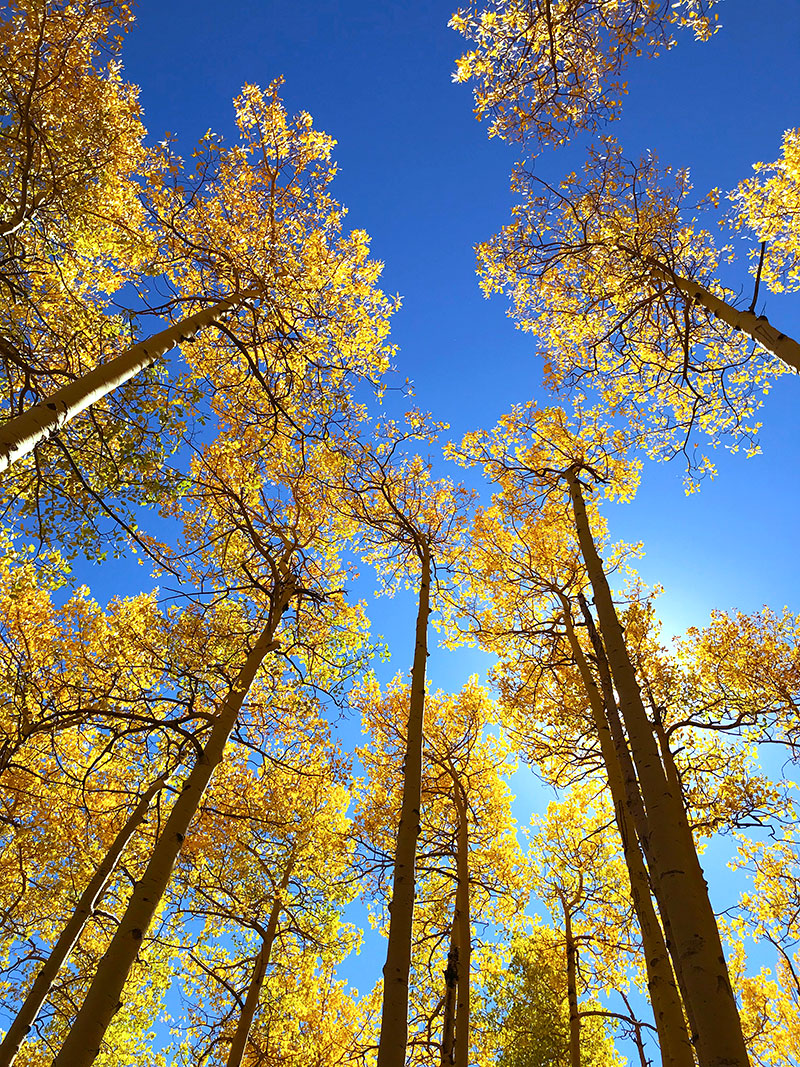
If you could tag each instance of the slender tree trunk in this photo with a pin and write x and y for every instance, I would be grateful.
(668, 759)
(448, 1053)
(756, 326)
(32, 1005)
(394, 1016)
(83, 1042)
(572, 988)
(245, 1023)
(695, 942)
(463, 926)
(456, 1025)
(22, 434)
(673, 1037)
(639, 1042)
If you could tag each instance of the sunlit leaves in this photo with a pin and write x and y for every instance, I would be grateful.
(545, 69)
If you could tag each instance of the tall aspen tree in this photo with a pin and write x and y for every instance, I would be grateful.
(469, 863)
(403, 521)
(31, 1006)
(674, 1040)
(102, 1001)
(700, 961)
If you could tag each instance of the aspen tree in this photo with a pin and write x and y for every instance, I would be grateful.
(129, 670)
(32, 1004)
(404, 522)
(572, 983)
(623, 292)
(767, 913)
(469, 866)
(538, 454)
(743, 674)
(700, 962)
(523, 577)
(103, 999)
(521, 574)
(674, 1040)
(267, 527)
(285, 327)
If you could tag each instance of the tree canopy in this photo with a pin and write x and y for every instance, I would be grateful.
(221, 814)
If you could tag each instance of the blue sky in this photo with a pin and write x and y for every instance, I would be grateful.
(419, 174)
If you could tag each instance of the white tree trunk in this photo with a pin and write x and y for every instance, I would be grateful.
(32, 1005)
(102, 1002)
(22, 434)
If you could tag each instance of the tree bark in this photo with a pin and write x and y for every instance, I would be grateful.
(695, 942)
(394, 1015)
(572, 988)
(463, 926)
(448, 1048)
(635, 804)
(673, 1037)
(257, 975)
(83, 1041)
(37, 995)
(756, 326)
(19, 436)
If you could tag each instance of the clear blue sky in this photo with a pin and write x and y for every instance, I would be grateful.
(419, 174)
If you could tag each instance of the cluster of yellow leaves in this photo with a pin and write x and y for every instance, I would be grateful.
(456, 742)
(751, 665)
(258, 216)
(769, 205)
(71, 145)
(548, 68)
(576, 866)
(522, 1014)
(534, 446)
(258, 824)
(768, 912)
(589, 266)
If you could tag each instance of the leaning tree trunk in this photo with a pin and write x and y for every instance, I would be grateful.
(633, 794)
(83, 1041)
(22, 434)
(257, 975)
(695, 942)
(756, 326)
(634, 800)
(84, 909)
(673, 1037)
(394, 1016)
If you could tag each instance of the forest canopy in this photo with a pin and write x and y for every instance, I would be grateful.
(345, 720)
